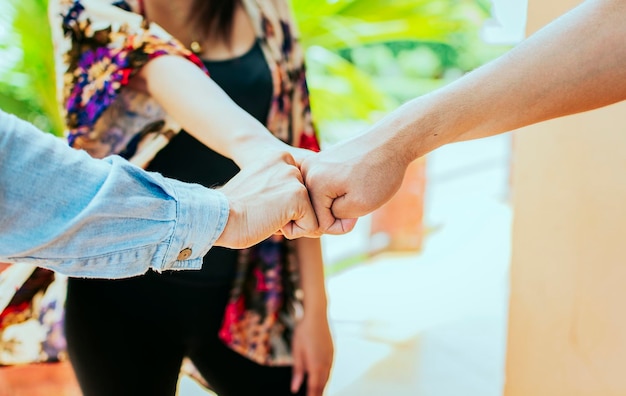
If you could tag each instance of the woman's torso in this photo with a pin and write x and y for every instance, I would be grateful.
(248, 81)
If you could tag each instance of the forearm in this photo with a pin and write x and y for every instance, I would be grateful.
(64, 210)
(312, 340)
(312, 274)
(204, 109)
(574, 64)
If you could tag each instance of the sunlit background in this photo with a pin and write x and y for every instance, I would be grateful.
(418, 292)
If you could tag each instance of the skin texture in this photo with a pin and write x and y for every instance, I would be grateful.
(252, 195)
(574, 64)
(183, 94)
(312, 341)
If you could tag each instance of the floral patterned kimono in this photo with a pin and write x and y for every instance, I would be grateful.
(102, 44)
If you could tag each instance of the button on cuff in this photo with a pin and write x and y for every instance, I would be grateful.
(184, 254)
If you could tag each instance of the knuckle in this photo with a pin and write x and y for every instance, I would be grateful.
(287, 231)
(301, 190)
(294, 172)
(316, 233)
(298, 192)
(310, 174)
(285, 156)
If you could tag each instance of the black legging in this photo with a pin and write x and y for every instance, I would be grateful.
(128, 337)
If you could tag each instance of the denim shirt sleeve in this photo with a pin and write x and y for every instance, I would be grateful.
(63, 210)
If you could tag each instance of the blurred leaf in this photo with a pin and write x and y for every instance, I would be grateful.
(350, 23)
(30, 79)
(339, 90)
(390, 51)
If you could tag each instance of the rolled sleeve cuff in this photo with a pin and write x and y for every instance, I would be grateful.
(201, 217)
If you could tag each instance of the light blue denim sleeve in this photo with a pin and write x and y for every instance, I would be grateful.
(63, 210)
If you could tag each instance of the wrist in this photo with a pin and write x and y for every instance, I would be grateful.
(419, 127)
(229, 236)
(250, 146)
(315, 311)
(393, 140)
(314, 319)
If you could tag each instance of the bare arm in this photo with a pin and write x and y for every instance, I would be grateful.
(252, 195)
(160, 219)
(576, 63)
(208, 113)
(312, 343)
(205, 110)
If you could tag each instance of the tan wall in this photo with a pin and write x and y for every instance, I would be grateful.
(567, 325)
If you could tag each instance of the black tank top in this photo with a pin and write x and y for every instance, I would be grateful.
(248, 81)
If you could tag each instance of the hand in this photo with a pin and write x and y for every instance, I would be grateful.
(300, 154)
(266, 197)
(351, 179)
(247, 152)
(312, 355)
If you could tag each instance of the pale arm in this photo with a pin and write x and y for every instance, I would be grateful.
(312, 342)
(63, 210)
(264, 197)
(576, 63)
(205, 111)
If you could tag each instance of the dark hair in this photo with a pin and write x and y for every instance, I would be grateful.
(216, 14)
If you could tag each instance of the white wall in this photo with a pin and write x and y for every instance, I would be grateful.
(567, 324)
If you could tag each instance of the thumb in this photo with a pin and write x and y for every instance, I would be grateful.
(346, 212)
(353, 205)
(341, 226)
(322, 207)
(338, 223)
(297, 373)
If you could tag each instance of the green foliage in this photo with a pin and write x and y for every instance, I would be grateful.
(335, 24)
(27, 86)
(393, 51)
(364, 56)
(341, 89)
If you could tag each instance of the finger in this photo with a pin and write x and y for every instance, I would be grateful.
(293, 231)
(341, 226)
(319, 198)
(288, 231)
(288, 158)
(300, 154)
(297, 373)
(344, 208)
(306, 224)
(324, 215)
(314, 384)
